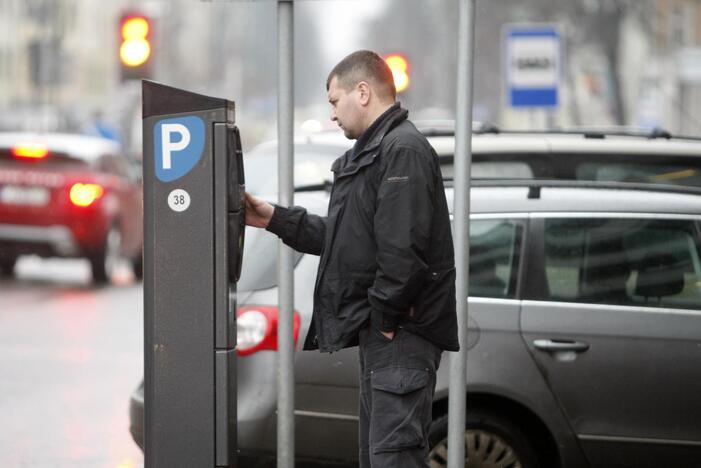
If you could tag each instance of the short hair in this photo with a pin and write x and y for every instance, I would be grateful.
(364, 65)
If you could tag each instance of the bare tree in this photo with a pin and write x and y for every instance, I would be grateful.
(426, 31)
(599, 22)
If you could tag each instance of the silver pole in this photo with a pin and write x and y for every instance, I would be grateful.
(285, 119)
(461, 211)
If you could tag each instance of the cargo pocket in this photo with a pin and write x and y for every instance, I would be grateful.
(399, 407)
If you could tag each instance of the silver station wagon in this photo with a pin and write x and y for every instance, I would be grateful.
(584, 312)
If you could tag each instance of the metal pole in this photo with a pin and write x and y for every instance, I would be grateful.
(285, 119)
(461, 212)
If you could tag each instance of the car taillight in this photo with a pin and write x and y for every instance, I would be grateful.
(256, 329)
(85, 194)
(31, 151)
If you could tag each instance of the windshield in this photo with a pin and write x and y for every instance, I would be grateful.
(312, 167)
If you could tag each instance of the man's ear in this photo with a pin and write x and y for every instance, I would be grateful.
(364, 92)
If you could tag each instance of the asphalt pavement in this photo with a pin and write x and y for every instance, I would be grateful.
(70, 355)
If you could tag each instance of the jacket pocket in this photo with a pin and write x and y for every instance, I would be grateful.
(351, 295)
(436, 299)
(401, 403)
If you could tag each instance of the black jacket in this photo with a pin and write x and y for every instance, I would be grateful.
(386, 246)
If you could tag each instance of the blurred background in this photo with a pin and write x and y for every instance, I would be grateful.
(70, 354)
(623, 61)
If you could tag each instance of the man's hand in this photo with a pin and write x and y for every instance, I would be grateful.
(258, 212)
(388, 335)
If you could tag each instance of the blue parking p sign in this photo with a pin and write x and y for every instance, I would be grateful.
(532, 64)
(178, 144)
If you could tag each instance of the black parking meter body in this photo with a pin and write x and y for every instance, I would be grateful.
(193, 241)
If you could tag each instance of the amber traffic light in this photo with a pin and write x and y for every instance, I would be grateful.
(135, 54)
(400, 71)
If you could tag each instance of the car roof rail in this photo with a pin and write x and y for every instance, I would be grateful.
(486, 127)
(658, 132)
(536, 184)
(603, 132)
(326, 186)
(446, 127)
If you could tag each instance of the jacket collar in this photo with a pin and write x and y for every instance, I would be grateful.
(373, 135)
(369, 141)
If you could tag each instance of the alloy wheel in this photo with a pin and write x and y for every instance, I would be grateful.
(483, 449)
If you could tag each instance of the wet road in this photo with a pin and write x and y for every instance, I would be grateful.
(70, 355)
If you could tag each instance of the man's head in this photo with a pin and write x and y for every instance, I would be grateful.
(360, 88)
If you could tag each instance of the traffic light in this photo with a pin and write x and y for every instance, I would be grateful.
(400, 70)
(135, 46)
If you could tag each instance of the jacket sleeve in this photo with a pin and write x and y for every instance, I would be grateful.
(300, 230)
(402, 228)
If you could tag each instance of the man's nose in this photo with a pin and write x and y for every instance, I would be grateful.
(333, 116)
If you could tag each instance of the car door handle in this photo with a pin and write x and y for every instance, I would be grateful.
(561, 345)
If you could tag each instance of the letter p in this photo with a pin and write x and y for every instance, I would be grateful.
(169, 145)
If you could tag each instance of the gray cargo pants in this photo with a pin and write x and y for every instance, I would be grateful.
(397, 381)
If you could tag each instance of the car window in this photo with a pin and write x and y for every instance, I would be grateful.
(260, 260)
(492, 170)
(494, 252)
(606, 167)
(312, 166)
(494, 257)
(53, 158)
(677, 174)
(639, 262)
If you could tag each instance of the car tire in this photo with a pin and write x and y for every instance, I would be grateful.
(491, 441)
(103, 262)
(7, 265)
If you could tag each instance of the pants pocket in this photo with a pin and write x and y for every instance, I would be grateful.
(400, 405)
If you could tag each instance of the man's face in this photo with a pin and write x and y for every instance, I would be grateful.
(346, 110)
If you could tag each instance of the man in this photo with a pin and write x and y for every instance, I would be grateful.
(386, 278)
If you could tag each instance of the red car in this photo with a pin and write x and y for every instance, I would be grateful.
(64, 195)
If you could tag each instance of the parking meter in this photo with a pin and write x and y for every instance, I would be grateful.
(193, 243)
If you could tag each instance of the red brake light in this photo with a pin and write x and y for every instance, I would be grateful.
(85, 194)
(30, 151)
(256, 329)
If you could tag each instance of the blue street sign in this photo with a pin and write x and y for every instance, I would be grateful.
(532, 63)
(178, 145)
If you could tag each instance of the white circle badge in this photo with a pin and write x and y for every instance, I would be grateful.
(179, 200)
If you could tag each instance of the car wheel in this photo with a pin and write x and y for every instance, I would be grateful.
(103, 262)
(7, 265)
(491, 441)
